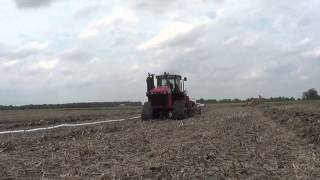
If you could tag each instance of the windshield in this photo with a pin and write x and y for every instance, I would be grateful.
(173, 83)
(167, 82)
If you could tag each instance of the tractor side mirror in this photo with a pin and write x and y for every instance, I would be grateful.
(185, 79)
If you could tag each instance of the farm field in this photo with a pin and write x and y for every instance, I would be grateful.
(270, 141)
(17, 119)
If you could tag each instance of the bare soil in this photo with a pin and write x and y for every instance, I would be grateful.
(17, 119)
(269, 142)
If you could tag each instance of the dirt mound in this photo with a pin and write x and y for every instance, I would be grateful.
(305, 124)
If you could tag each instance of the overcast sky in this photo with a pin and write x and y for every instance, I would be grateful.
(58, 51)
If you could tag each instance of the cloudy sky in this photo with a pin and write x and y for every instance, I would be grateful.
(57, 51)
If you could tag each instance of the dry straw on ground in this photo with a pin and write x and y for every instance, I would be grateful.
(223, 143)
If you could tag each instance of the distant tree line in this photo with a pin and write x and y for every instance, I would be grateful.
(72, 105)
(311, 94)
(271, 99)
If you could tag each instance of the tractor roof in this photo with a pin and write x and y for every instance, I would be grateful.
(167, 75)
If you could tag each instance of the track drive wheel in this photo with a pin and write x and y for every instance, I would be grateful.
(190, 109)
(179, 110)
(147, 111)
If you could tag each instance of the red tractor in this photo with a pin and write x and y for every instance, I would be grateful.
(168, 99)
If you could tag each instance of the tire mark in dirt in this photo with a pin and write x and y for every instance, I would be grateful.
(65, 125)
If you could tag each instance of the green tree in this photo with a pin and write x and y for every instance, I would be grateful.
(201, 101)
(310, 94)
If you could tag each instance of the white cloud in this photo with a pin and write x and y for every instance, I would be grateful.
(252, 73)
(119, 16)
(304, 41)
(312, 53)
(304, 78)
(89, 33)
(221, 12)
(231, 40)
(35, 45)
(134, 67)
(46, 64)
(168, 33)
(8, 64)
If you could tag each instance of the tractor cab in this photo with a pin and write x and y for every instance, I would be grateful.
(174, 82)
(165, 83)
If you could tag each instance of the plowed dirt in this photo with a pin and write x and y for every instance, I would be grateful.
(222, 143)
